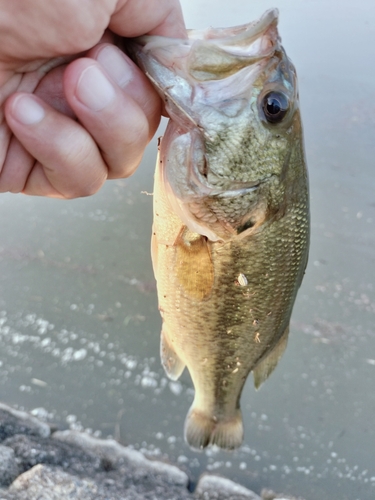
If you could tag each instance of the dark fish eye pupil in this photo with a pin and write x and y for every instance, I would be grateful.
(275, 106)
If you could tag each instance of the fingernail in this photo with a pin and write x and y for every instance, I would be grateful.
(27, 110)
(94, 90)
(115, 64)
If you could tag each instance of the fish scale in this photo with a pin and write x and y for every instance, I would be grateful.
(230, 241)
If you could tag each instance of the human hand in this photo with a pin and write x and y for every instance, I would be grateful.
(64, 131)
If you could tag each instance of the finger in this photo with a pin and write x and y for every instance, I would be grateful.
(120, 127)
(154, 17)
(16, 168)
(70, 162)
(51, 91)
(126, 74)
(19, 162)
(121, 70)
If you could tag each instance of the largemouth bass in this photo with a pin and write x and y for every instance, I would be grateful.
(231, 213)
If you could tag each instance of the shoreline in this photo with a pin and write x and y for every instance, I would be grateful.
(39, 462)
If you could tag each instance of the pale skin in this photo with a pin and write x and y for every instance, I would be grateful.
(75, 110)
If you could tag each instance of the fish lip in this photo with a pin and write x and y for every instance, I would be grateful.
(247, 43)
(218, 36)
(236, 40)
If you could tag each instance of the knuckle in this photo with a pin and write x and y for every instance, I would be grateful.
(132, 155)
(85, 172)
(138, 134)
(89, 25)
(81, 191)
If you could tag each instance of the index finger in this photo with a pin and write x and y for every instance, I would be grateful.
(148, 17)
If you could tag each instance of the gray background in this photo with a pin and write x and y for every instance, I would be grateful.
(79, 335)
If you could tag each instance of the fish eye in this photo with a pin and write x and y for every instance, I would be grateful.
(275, 106)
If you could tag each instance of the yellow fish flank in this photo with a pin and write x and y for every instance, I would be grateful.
(231, 215)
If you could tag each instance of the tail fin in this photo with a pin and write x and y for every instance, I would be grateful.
(202, 430)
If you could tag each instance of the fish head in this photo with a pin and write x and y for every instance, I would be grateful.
(232, 98)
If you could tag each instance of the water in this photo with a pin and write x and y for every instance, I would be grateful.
(79, 326)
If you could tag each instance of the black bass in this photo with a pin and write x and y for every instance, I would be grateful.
(231, 213)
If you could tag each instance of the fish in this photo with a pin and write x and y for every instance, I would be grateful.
(230, 233)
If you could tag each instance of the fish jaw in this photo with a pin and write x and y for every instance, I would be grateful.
(208, 54)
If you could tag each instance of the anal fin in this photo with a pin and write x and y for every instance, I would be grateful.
(172, 364)
(264, 369)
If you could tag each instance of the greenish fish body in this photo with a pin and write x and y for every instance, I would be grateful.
(231, 214)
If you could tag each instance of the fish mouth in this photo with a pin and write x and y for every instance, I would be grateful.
(198, 58)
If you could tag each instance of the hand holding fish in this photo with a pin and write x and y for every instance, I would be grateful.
(75, 110)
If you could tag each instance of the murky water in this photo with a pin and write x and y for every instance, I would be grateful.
(79, 334)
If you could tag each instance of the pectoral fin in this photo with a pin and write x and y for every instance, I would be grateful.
(264, 369)
(194, 268)
(172, 364)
